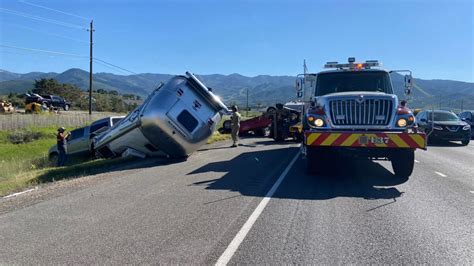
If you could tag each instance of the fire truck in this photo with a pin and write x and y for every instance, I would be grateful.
(352, 111)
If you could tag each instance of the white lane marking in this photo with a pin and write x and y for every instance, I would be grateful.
(416, 161)
(19, 193)
(472, 191)
(234, 245)
(441, 174)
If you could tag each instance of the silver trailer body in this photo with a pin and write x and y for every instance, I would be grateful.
(175, 120)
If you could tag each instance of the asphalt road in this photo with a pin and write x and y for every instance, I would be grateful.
(213, 207)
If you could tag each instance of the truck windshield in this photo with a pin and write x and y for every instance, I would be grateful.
(353, 81)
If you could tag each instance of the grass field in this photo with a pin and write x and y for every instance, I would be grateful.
(24, 165)
(18, 159)
(27, 164)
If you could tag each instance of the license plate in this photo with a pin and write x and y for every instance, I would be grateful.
(364, 140)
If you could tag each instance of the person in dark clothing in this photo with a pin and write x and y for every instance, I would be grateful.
(62, 145)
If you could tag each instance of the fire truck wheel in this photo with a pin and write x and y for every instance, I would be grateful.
(403, 162)
(314, 161)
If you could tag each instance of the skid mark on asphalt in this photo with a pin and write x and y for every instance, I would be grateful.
(440, 174)
(239, 238)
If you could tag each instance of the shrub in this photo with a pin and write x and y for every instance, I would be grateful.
(24, 136)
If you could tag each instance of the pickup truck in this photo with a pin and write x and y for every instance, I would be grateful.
(49, 100)
(80, 141)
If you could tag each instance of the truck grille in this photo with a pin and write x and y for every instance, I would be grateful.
(355, 113)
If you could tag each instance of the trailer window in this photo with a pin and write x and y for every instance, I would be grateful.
(187, 120)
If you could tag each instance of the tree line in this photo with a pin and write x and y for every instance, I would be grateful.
(102, 100)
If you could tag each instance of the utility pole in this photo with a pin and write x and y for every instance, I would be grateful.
(247, 103)
(91, 30)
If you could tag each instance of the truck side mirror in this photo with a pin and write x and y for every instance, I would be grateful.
(408, 84)
(299, 85)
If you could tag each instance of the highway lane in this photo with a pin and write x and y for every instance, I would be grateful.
(189, 212)
(366, 216)
(182, 212)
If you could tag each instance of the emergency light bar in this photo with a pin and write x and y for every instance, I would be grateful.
(352, 65)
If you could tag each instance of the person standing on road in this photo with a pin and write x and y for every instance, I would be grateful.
(62, 145)
(235, 125)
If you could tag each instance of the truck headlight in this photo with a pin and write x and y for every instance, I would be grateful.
(315, 122)
(402, 122)
(318, 122)
(466, 127)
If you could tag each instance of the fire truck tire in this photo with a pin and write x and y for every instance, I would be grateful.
(314, 161)
(299, 137)
(403, 162)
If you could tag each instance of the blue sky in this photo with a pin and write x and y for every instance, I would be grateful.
(432, 38)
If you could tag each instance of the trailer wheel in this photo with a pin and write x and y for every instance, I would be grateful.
(403, 162)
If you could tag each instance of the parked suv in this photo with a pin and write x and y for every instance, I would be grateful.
(80, 141)
(468, 117)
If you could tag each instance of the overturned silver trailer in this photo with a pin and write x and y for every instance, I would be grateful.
(175, 120)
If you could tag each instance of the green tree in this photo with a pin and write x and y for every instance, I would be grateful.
(51, 86)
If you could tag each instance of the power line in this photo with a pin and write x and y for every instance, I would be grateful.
(38, 54)
(112, 68)
(52, 9)
(42, 51)
(53, 21)
(105, 62)
(46, 33)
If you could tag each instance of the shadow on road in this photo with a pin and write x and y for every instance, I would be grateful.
(445, 144)
(253, 173)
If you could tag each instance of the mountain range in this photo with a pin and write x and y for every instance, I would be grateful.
(262, 89)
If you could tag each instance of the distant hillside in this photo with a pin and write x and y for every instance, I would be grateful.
(263, 89)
